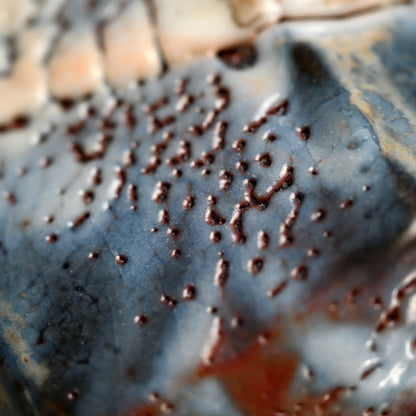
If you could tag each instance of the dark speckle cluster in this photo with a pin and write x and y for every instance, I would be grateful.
(197, 228)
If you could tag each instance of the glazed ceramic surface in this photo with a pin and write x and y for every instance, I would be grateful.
(234, 236)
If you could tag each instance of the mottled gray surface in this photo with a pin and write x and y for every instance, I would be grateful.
(67, 322)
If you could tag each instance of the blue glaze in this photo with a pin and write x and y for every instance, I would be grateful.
(75, 317)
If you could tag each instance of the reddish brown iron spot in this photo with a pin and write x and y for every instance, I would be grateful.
(189, 293)
(389, 319)
(279, 109)
(222, 273)
(239, 145)
(145, 410)
(121, 259)
(256, 265)
(161, 192)
(347, 204)
(52, 238)
(94, 255)
(277, 290)
(305, 133)
(189, 202)
(286, 237)
(239, 57)
(260, 202)
(258, 379)
(140, 320)
(254, 126)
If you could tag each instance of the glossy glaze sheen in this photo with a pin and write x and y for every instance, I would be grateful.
(220, 241)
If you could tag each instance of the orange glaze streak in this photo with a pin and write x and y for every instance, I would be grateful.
(258, 379)
(145, 410)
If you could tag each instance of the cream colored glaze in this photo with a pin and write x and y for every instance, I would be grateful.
(25, 90)
(186, 29)
(329, 8)
(130, 50)
(76, 68)
(14, 14)
(256, 12)
(190, 29)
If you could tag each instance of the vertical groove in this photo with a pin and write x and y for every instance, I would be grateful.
(152, 13)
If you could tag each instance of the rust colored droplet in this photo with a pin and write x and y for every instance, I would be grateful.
(226, 180)
(279, 109)
(189, 293)
(242, 166)
(239, 57)
(222, 273)
(130, 117)
(129, 158)
(96, 178)
(189, 202)
(80, 220)
(254, 126)
(140, 320)
(73, 395)
(313, 171)
(300, 273)
(265, 160)
(389, 319)
(271, 137)
(196, 130)
(313, 252)
(180, 86)
(239, 145)
(164, 217)
(277, 290)
(263, 240)
(169, 301)
(88, 196)
(237, 322)
(161, 192)
(216, 236)
(10, 198)
(256, 265)
(261, 202)
(176, 253)
(318, 215)
(49, 219)
(156, 105)
(174, 233)
(45, 162)
(369, 371)
(94, 255)
(133, 193)
(121, 259)
(51, 238)
(76, 128)
(347, 204)
(305, 133)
